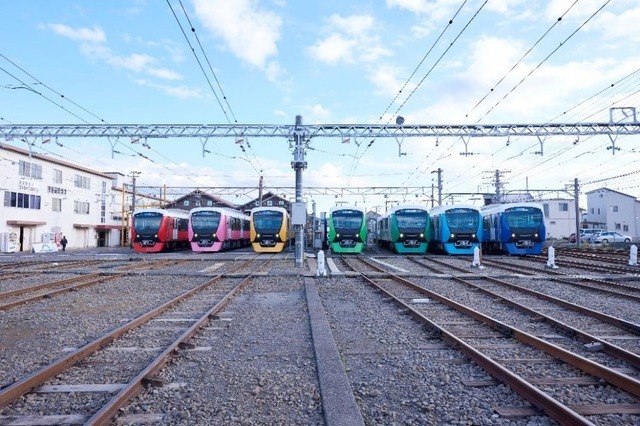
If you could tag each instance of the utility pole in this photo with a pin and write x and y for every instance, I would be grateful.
(576, 196)
(133, 175)
(260, 191)
(439, 172)
(298, 164)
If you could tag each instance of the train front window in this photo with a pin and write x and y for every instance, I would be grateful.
(344, 221)
(411, 220)
(147, 222)
(524, 219)
(205, 223)
(267, 221)
(463, 221)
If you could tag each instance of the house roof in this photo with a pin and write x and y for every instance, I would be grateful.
(53, 160)
(603, 189)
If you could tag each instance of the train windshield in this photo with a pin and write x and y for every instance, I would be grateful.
(411, 219)
(525, 218)
(205, 221)
(267, 221)
(147, 222)
(347, 219)
(463, 220)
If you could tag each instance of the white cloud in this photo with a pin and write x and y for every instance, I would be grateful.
(333, 49)
(95, 35)
(249, 32)
(316, 114)
(165, 74)
(350, 39)
(181, 92)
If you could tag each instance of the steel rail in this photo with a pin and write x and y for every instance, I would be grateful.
(47, 285)
(618, 322)
(35, 298)
(28, 383)
(135, 386)
(550, 406)
(609, 348)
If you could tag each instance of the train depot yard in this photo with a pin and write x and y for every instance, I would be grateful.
(115, 336)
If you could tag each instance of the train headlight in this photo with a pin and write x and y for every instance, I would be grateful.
(421, 235)
(536, 235)
(513, 235)
(257, 235)
(214, 235)
(337, 235)
(195, 235)
(155, 236)
(357, 235)
(401, 235)
(277, 235)
(473, 235)
(453, 235)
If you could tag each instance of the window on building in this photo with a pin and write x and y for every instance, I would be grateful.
(57, 176)
(269, 203)
(592, 210)
(563, 207)
(56, 204)
(618, 226)
(31, 170)
(21, 201)
(598, 210)
(81, 207)
(614, 209)
(545, 207)
(625, 228)
(281, 203)
(209, 203)
(82, 182)
(185, 203)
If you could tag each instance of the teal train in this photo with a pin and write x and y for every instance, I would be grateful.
(404, 229)
(347, 229)
(456, 229)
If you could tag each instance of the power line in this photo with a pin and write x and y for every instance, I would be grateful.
(544, 60)
(523, 57)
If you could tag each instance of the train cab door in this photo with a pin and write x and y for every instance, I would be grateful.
(174, 229)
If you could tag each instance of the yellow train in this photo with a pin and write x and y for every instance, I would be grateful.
(270, 229)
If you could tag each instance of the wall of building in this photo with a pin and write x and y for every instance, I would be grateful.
(560, 217)
(614, 211)
(42, 196)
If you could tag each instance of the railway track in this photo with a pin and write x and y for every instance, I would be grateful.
(141, 347)
(507, 352)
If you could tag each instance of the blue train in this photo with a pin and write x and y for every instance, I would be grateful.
(404, 229)
(455, 229)
(516, 228)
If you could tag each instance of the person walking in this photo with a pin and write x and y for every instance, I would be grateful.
(63, 242)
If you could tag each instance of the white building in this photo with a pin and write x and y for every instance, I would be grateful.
(613, 211)
(45, 197)
(559, 217)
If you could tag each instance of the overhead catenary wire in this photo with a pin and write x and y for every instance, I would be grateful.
(506, 95)
(523, 57)
(358, 157)
(193, 50)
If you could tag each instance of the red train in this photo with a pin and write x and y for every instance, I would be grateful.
(156, 230)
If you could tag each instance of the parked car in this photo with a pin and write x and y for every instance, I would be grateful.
(606, 237)
(586, 234)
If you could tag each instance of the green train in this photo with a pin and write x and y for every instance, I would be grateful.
(347, 229)
(404, 229)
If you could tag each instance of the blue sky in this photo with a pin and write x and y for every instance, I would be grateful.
(433, 62)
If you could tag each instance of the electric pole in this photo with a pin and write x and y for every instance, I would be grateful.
(133, 175)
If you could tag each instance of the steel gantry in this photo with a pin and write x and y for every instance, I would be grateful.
(153, 131)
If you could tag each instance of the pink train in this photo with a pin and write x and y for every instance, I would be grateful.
(217, 229)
